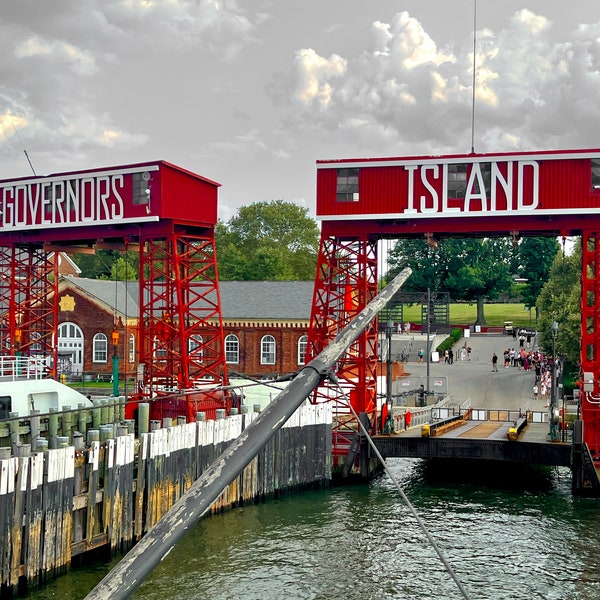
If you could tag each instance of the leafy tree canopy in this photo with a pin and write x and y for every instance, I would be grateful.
(268, 241)
(532, 261)
(468, 269)
(126, 267)
(98, 265)
(560, 301)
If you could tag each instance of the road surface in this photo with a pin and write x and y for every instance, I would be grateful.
(509, 388)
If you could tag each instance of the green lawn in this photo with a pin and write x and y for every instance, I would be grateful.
(465, 314)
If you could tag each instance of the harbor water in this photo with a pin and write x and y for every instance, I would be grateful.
(507, 534)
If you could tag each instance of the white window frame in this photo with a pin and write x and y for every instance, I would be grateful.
(196, 341)
(100, 348)
(131, 347)
(268, 350)
(232, 349)
(302, 348)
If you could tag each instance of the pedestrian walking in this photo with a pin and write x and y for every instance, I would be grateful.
(421, 354)
(535, 391)
(495, 363)
(468, 352)
(451, 356)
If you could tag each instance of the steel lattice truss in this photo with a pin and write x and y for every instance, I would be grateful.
(590, 339)
(181, 329)
(28, 295)
(346, 282)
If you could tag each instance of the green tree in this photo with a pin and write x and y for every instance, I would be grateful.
(273, 241)
(560, 301)
(532, 260)
(97, 265)
(126, 267)
(468, 269)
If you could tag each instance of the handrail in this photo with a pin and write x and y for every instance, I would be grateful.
(13, 368)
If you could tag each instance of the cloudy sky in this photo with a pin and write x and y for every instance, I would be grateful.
(251, 93)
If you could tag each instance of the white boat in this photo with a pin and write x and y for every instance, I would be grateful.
(24, 386)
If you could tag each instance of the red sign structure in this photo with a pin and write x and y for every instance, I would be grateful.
(165, 212)
(113, 197)
(360, 201)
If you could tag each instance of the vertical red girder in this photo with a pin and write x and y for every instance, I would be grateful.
(590, 340)
(181, 324)
(345, 283)
(28, 301)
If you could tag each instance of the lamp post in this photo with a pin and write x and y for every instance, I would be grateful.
(428, 348)
(388, 380)
(18, 339)
(554, 421)
(115, 360)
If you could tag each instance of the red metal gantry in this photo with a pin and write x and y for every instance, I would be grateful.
(590, 340)
(167, 211)
(345, 283)
(363, 200)
(28, 281)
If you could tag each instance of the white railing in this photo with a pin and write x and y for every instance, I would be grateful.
(22, 367)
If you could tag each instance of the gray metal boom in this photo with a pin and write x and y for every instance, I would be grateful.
(136, 565)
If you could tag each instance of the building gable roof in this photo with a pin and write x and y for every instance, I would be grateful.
(240, 300)
(119, 295)
(266, 300)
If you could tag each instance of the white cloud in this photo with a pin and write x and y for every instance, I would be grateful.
(529, 87)
(58, 52)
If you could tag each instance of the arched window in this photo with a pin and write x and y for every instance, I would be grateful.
(131, 348)
(232, 349)
(100, 354)
(159, 351)
(36, 346)
(302, 346)
(267, 350)
(196, 347)
(70, 348)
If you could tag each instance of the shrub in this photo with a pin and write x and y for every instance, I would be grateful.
(454, 336)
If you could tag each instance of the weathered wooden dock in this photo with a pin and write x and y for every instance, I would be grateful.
(60, 502)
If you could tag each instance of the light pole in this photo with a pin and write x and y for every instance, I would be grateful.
(553, 402)
(115, 361)
(428, 340)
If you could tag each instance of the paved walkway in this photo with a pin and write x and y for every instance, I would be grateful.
(509, 388)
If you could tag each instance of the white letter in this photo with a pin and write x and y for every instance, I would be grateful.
(58, 195)
(506, 184)
(102, 212)
(8, 215)
(21, 207)
(411, 188)
(469, 195)
(434, 195)
(87, 199)
(117, 208)
(535, 185)
(72, 200)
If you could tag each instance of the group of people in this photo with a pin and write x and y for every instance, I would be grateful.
(529, 360)
(521, 358)
(403, 328)
(523, 336)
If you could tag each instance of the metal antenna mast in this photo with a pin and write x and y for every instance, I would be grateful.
(24, 151)
(473, 85)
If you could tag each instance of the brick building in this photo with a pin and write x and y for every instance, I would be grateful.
(265, 325)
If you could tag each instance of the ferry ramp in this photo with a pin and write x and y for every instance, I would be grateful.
(480, 434)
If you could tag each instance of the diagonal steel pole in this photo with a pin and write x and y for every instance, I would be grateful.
(138, 563)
